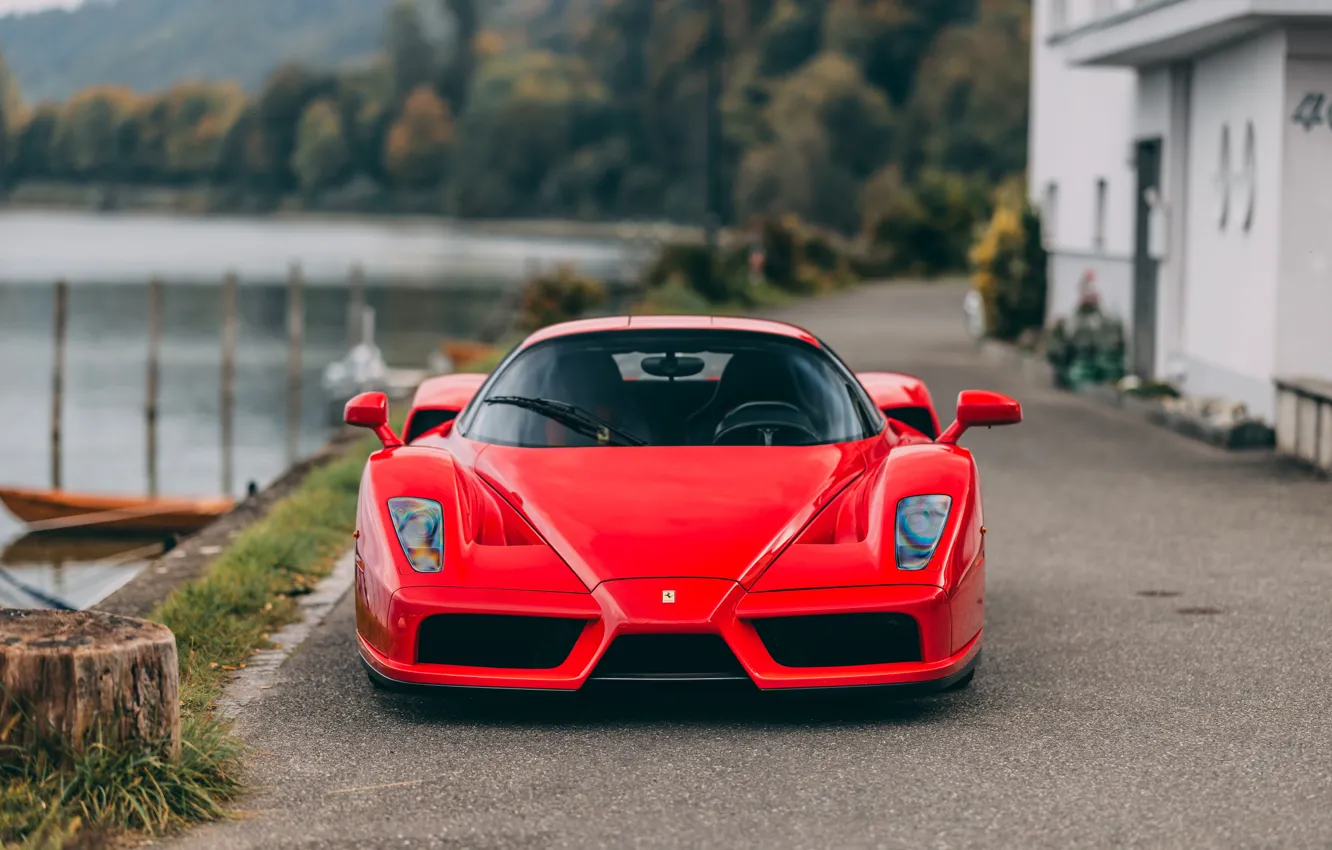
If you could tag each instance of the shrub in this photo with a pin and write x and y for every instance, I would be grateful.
(923, 228)
(559, 297)
(1009, 269)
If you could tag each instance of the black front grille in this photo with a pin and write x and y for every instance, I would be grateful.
(696, 656)
(495, 640)
(840, 640)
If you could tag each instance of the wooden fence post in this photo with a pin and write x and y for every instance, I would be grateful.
(58, 379)
(153, 379)
(295, 335)
(227, 402)
(356, 307)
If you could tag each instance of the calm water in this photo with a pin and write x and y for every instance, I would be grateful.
(425, 283)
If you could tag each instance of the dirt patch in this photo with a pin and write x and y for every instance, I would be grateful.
(191, 557)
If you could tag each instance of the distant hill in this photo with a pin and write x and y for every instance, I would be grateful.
(150, 44)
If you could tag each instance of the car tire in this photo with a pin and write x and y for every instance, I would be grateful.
(963, 683)
(380, 683)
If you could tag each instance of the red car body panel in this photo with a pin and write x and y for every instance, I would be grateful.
(734, 536)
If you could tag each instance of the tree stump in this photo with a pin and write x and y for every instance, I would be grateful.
(77, 678)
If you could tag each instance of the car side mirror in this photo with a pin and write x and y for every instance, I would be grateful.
(981, 409)
(370, 410)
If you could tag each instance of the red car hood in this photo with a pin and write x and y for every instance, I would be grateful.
(717, 512)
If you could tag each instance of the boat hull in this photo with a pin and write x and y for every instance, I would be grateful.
(66, 511)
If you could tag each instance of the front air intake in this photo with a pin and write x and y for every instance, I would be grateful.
(689, 657)
(840, 640)
(495, 640)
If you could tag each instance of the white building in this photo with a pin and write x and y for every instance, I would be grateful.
(1182, 149)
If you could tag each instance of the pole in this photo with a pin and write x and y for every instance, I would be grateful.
(356, 306)
(154, 375)
(58, 378)
(712, 144)
(227, 403)
(295, 334)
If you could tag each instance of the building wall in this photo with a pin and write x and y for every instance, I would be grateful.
(1080, 132)
(1304, 300)
(1230, 321)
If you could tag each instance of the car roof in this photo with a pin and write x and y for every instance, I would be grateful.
(626, 323)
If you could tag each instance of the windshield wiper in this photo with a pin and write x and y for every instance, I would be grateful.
(572, 417)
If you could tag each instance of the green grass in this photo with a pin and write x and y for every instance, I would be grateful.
(52, 798)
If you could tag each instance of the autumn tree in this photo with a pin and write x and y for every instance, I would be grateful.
(88, 138)
(178, 136)
(417, 148)
(11, 107)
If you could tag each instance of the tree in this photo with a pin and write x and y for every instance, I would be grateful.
(970, 108)
(458, 70)
(35, 143)
(827, 131)
(88, 137)
(267, 141)
(321, 154)
(526, 115)
(411, 56)
(178, 136)
(11, 105)
(418, 143)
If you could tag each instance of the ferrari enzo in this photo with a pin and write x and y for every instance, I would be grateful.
(672, 498)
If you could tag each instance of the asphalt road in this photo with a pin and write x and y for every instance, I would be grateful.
(1156, 674)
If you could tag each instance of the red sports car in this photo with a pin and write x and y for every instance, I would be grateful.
(672, 498)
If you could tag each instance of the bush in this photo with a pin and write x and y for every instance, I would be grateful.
(559, 297)
(926, 227)
(697, 268)
(803, 260)
(1009, 269)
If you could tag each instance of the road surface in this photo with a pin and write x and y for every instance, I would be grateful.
(1156, 675)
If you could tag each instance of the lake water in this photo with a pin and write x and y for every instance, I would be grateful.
(426, 283)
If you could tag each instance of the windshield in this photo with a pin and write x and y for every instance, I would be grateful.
(670, 388)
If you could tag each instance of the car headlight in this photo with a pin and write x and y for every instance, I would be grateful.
(420, 527)
(920, 524)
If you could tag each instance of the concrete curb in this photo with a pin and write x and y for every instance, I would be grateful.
(261, 670)
(1241, 437)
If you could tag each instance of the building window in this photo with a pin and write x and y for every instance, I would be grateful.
(1058, 15)
(1049, 213)
(1098, 225)
(1222, 180)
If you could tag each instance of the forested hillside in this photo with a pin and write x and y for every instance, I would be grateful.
(890, 117)
(150, 44)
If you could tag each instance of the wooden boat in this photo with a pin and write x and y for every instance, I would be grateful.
(86, 547)
(61, 510)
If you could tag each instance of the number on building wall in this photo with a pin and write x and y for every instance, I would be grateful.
(1310, 112)
(1245, 181)
(1249, 176)
(1223, 179)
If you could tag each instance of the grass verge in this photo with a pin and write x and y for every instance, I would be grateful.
(51, 799)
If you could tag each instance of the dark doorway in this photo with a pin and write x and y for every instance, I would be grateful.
(1145, 267)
